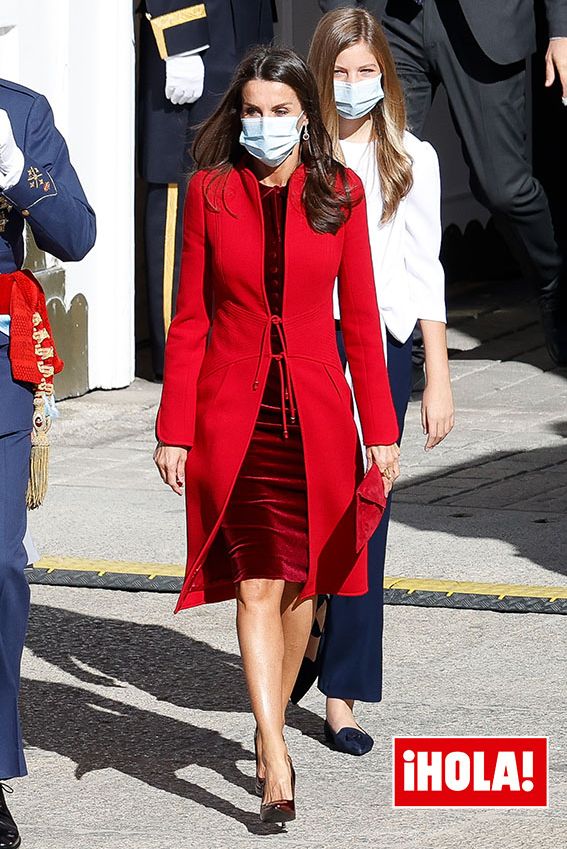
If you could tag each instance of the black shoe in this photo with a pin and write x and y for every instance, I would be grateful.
(417, 362)
(418, 380)
(351, 741)
(306, 677)
(554, 320)
(309, 669)
(259, 783)
(9, 834)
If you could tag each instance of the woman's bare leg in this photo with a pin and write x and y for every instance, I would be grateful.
(261, 638)
(297, 620)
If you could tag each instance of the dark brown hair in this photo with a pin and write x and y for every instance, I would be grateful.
(335, 32)
(326, 197)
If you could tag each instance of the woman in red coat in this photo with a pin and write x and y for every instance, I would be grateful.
(256, 418)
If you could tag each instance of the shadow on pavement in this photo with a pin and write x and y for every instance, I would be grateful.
(502, 317)
(531, 486)
(97, 732)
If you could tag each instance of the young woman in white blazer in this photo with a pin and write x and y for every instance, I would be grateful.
(363, 108)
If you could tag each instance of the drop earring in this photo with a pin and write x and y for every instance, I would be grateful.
(306, 135)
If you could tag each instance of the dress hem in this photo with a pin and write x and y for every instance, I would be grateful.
(225, 592)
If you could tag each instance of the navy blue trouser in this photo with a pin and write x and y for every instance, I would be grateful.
(351, 647)
(16, 410)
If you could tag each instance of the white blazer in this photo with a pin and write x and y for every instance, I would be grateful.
(410, 282)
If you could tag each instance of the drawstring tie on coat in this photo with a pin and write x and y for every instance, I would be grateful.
(285, 376)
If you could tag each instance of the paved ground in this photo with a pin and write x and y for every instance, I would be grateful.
(136, 721)
(141, 734)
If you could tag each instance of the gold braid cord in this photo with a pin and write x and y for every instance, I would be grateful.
(39, 462)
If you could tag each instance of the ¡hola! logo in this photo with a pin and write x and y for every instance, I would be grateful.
(470, 772)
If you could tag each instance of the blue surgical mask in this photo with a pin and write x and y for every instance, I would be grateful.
(354, 100)
(272, 139)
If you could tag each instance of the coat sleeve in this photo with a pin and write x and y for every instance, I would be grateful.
(557, 18)
(178, 26)
(360, 323)
(49, 195)
(423, 236)
(187, 338)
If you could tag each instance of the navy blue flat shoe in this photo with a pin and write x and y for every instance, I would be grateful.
(351, 741)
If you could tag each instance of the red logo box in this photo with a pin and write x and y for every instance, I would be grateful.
(470, 772)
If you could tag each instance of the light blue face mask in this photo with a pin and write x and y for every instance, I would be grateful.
(354, 100)
(272, 139)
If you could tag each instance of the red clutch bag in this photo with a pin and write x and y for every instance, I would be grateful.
(370, 505)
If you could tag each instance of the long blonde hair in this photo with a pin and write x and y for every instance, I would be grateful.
(336, 32)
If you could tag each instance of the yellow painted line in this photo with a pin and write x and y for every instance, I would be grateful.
(410, 585)
(79, 564)
(474, 588)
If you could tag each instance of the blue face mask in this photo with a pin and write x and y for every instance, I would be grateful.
(271, 140)
(354, 100)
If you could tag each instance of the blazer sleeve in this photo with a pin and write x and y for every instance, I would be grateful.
(49, 195)
(360, 323)
(557, 18)
(187, 337)
(179, 26)
(423, 236)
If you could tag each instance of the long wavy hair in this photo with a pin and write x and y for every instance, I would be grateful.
(326, 197)
(336, 32)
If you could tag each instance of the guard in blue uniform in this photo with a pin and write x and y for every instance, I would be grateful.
(187, 54)
(38, 185)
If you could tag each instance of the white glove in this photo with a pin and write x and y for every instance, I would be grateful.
(184, 78)
(11, 157)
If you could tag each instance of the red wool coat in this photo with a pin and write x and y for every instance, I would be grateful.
(216, 365)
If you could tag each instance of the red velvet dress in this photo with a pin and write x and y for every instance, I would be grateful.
(265, 523)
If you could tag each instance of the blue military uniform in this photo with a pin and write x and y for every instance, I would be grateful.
(50, 198)
(228, 28)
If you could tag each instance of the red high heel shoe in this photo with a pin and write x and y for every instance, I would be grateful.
(282, 810)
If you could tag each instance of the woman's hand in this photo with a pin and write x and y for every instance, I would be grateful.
(386, 458)
(437, 412)
(170, 460)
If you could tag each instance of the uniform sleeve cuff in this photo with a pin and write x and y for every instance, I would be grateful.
(35, 184)
(181, 31)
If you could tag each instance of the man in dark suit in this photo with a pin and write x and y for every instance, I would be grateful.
(188, 52)
(478, 50)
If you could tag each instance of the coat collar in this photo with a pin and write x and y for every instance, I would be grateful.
(251, 183)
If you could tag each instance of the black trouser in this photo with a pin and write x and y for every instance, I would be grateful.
(434, 45)
(163, 236)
